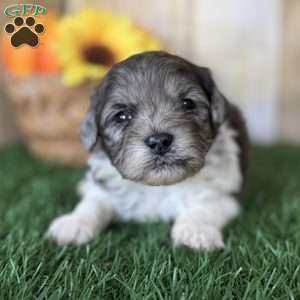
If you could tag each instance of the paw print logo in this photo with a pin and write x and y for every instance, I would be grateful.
(24, 31)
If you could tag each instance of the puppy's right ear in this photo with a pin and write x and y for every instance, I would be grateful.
(89, 130)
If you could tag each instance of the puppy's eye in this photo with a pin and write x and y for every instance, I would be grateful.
(188, 104)
(122, 116)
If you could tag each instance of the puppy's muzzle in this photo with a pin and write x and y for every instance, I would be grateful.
(159, 143)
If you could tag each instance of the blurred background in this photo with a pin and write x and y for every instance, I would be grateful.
(252, 47)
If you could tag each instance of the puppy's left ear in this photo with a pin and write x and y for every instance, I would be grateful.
(218, 102)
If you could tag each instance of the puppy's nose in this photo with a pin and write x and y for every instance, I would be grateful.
(159, 143)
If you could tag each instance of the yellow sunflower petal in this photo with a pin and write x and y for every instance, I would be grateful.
(97, 30)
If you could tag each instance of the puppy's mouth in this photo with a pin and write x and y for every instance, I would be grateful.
(164, 162)
(157, 170)
(168, 171)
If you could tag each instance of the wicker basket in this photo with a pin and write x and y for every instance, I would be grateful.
(49, 116)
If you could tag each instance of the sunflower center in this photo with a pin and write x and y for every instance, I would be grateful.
(99, 55)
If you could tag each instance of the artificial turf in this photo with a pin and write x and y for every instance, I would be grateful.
(261, 259)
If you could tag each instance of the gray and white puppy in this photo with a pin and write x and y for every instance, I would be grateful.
(165, 145)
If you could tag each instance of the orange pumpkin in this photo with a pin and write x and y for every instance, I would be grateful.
(46, 60)
(24, 60)
(19, 61)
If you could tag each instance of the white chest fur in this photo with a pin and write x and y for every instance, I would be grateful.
(133, 201)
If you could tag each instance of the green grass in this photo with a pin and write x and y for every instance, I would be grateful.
(261, 259)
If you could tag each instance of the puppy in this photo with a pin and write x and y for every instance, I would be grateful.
(165, 145)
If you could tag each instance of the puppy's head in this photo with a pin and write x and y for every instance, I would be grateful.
(155, 115)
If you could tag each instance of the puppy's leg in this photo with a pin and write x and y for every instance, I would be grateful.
(92, 214)
(200, 227)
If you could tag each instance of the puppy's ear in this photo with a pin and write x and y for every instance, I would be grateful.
(89, 130)
(219, 104)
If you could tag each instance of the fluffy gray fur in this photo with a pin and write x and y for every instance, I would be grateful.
(151, 88)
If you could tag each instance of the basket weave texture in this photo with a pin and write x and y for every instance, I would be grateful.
(49, 116)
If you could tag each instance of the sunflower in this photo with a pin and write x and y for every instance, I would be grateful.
(91, 41)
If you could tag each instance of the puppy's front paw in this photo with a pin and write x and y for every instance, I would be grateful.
(197, 236)
(71, 229)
